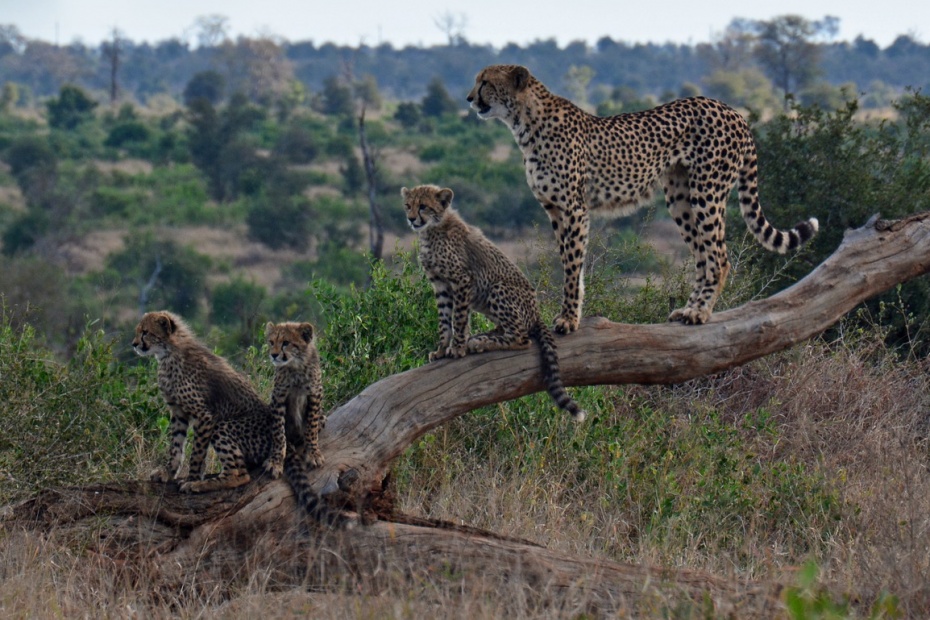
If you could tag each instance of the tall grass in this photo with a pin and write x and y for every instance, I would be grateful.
(808, 467)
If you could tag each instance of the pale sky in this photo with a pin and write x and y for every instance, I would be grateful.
(413, 22)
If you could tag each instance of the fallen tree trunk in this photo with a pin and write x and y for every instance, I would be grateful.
(135, 524)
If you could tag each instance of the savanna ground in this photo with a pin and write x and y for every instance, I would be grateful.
(806, 468)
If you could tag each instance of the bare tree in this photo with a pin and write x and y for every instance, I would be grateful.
(112, 50)
(453, 26)
(211, 30)
(376, 227)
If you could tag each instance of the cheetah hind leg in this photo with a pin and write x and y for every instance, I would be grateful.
(231, 480)
(497, 339)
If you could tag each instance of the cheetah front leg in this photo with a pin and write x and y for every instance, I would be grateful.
(274, 464)
(313, 422)
(177, 430)
(462, 295)
(571, 227)
(204, 427)
(443, 297)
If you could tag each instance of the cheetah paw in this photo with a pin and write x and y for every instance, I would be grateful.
(314, 459)
(160, 475)
(690, 315)
(273, 468)
(456, 352)
(565, 325)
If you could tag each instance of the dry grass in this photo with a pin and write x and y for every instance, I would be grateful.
(848, 412)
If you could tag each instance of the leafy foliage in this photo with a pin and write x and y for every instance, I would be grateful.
(89, 418)
(71, 108)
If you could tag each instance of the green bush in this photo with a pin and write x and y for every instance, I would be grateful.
(829, 165)
(372, 333)
(89, 419)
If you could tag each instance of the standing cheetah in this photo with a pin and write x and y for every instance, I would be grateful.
(203, 389)
(468, 272)
(696, 148)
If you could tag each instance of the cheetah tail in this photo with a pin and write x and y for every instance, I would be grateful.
(295, 471)
(768, 236)
(551, 375)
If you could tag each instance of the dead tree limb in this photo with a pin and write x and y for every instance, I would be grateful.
(219, 530)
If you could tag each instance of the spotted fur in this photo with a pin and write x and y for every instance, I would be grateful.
(297, 396)
(695, 148)
(468, 272)
(297, 399)
(203, 390)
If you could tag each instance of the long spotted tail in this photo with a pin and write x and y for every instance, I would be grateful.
(296, 473)
(551, 375)
(767, 235)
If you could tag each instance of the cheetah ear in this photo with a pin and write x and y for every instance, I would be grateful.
(445, 196)
(268, 327)
(306, 332)
(404, 191)
(167, 324)
(521, 77)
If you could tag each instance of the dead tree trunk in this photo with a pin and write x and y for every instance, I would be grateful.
(137, 523)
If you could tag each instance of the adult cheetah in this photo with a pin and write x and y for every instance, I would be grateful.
(696, 148)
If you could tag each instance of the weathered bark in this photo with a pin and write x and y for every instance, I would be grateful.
(140, 524)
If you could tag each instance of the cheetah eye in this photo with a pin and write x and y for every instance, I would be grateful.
(285, 343)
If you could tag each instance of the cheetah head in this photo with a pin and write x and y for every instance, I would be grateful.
(154, 333)
(496, 88)
(425, 205)
(288, 342)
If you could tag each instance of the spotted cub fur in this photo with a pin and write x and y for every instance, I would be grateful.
(203, 390)
(297, 396)
(297, 399)
(695, 148)
(468, 272)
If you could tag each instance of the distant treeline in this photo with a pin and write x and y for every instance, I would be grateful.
(143, 70)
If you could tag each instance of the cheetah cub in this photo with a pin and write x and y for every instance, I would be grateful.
(202, 389)
(468, 272)
(297, 396)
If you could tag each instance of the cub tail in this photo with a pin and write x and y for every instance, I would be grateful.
(551, 375)
(296, 473)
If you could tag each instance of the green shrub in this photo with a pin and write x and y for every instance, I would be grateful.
(375, 332)
(87, 420)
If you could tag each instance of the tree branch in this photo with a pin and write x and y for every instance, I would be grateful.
(164, 538)
(367, 432)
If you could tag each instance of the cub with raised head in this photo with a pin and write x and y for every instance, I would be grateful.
(297, 399)
(468, 272)
(695, 148)
(297, 396)
(203, 390)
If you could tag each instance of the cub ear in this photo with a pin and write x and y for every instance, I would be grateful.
(521, 77)
(167, 323)
(404, 191)
(445, 196)
(268, 327)
(306, 332)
